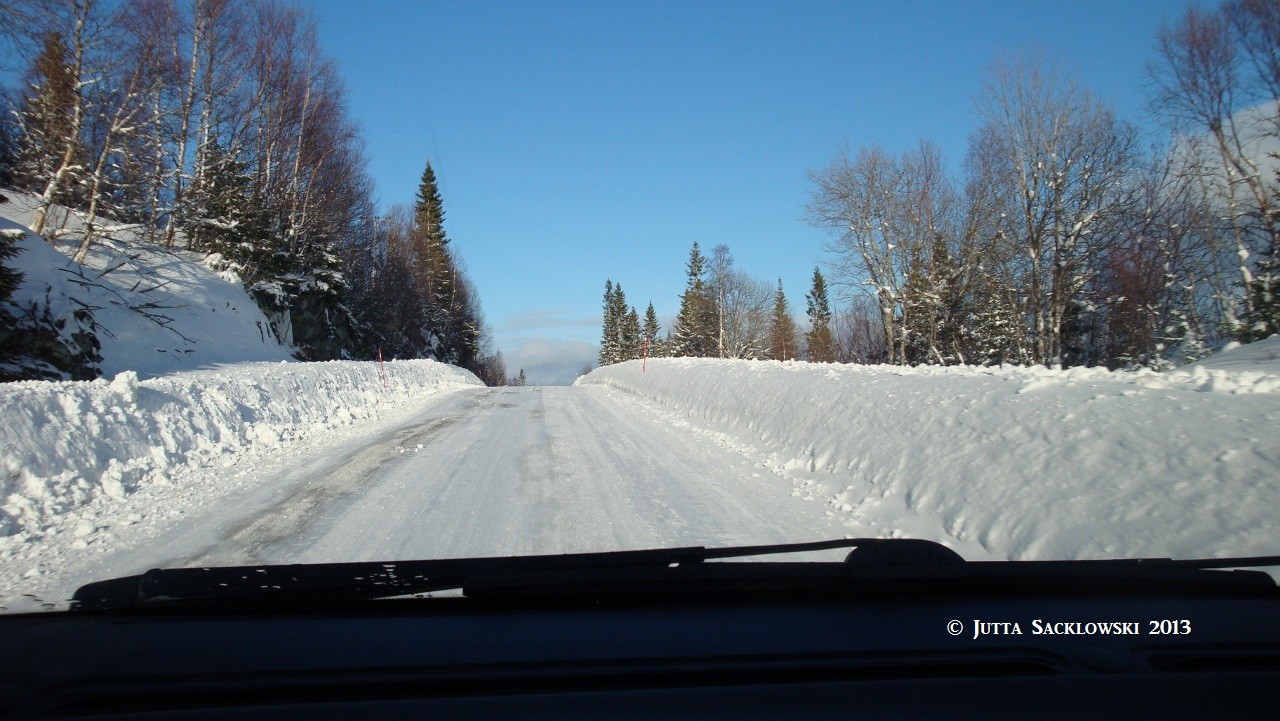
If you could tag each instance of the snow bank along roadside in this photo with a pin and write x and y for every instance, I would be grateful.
(1031, 463)
(67, 443)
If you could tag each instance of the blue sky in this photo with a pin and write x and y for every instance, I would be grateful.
(579, 141)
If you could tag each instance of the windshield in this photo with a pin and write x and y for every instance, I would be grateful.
(318, 282)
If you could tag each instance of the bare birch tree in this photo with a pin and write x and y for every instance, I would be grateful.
(1217, 84)
(1062, 167)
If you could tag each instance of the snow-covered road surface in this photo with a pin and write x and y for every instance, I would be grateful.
(517, 471)
(476, 472)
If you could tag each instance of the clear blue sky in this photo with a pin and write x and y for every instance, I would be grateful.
(579, 141)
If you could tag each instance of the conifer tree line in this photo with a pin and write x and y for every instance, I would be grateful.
(724, 313)
(1069, 238)
(221, 126)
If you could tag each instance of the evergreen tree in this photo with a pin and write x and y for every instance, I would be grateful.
(429, 208)
(47, 120)
(1263, 318)
(650, 330)
(619, 311)
(434, 267)
(462, 329)
(695, 332)
(819, 340)
(609, 331)
(519, 379)
(630, 335)
(10, 279)
(224, 218)
(993, 331)
(626, 333)
(782, 329)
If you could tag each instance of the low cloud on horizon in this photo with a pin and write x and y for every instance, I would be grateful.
(551, 361)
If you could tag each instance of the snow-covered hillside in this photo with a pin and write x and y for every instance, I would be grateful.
(156, 310)
(1030, 463)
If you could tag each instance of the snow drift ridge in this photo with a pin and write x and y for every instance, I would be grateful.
(68, 442)
(1020, 463)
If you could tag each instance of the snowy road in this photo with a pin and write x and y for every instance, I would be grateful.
(474, 472)
(328, 462)
(521, 471)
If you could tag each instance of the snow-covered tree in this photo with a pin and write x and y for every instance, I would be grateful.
(630, 335)
(50, 154)
(887, 209)
(694, 334)
(1216, 85)
(819, 341)
(10, 279)
(224, 217)
(1263, 317)
(133, 75)
(741, 308)
(1068, 165)
(620, 340)
(609, 350)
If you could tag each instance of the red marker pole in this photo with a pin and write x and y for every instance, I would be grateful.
(644, 357)
(382, 371)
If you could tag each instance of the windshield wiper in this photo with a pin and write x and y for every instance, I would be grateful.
(399, 578)
(873, 565)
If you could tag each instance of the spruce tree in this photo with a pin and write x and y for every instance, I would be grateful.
(609, 330)
(429, 208)
(782, 329)
(10, 279)
(631, 335)
(224, 218)
(435, 269)
(1263, 318)
(650, 330)
(626, 327)
(694, 332)
(992, 331)
(619, 311)
(520, 379)
(819, 340)
(47, 120)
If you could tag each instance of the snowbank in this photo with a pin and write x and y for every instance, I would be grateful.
(66, 443)
(1029, 463)
(157, 310)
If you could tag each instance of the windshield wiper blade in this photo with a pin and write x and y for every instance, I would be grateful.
(371, 580)
(872, 561)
